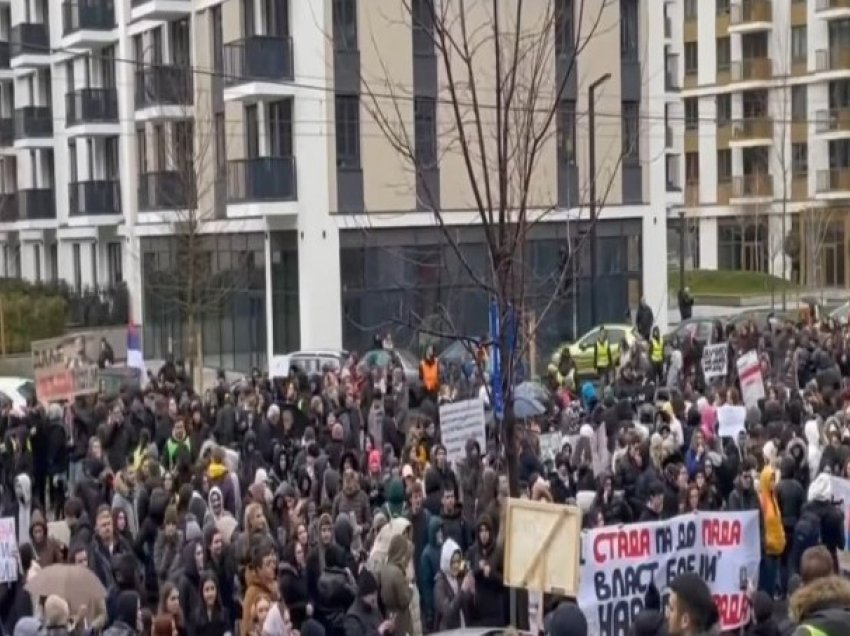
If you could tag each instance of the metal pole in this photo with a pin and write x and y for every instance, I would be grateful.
(591, 121)
(681, 250)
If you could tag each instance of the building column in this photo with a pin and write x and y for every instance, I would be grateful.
(708, 243)
(654, 257)
(267, 247)
(319, 289)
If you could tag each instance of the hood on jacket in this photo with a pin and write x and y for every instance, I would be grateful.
(283, 491)
(827, 593)
(157, 505)
(586, 430)
(435, 525)
(820, 489)
(450, 547)
(395, 493)
(787, 467)
(485, 521)
(127, 608)
(399, 551)
(473, 451)
(37, 519)
(797, 450)
(215, 500)
(331, 478)
(343, 532)
(187, 560)
(23, 482)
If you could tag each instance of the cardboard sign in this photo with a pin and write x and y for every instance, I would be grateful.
(731, 420)
(66, 367)
(749, 374)
(715, 362)
(460, 421)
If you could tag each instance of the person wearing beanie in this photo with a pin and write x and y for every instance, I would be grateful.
(126, 621)
(690, 608)
(566, 620)
(364, 616)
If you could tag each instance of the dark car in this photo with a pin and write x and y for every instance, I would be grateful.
(389, 358)
(702, 329)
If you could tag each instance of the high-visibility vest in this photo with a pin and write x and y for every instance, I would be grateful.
(603, 355)
(656, 350)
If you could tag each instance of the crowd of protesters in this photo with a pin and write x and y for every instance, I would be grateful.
(326, 504)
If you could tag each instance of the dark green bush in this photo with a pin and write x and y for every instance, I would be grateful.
(27, 318)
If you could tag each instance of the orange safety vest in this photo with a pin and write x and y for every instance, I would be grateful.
(430, 375)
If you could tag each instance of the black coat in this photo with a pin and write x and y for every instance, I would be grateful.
(489, 590)
(361, 620)
(293, 589)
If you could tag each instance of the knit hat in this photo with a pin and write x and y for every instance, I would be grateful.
(695, 594)
(56, 611)
(366, 583)
(566, 620)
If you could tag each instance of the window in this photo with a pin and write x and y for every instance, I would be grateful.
(72, 162)
(690, 9)
(567, 132)
(799, 159)
(248, 22)
(69, 75)
(220, 144)
(724, 165)
(110, 157)
(78, 267)
(184, 138)
(347, 111)
(216, 38)
(724, 109)
(280, 128)
(631, 130)
(629, 38)
(113, 257)
(691, 167)
(180, 43)
(799, 102)
(345, 25)
(564, 30)
(799, 46)
(277, 17)
(159, 147)
(691, 113)
(421, 12)
(425, 113)
(724, 54)
(93, 252)
(691, 58)
(107, 67)
(141, 150)
(722, 7)
(37, 259)
(252, 132)
(54, 261)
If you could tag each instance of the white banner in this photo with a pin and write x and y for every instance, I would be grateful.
(731, 420)
(752, 383)
(458, 422)
(618, 564)
(715, 363)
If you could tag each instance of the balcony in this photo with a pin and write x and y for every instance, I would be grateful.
(4, 60)
(833, 124)
(833, 184)
(29, 45)
(832, 9)
(754, 69)
(88, 23)
(260, 180)
(164, 190)
(92, 111)
(752, 188)
(36, 204)
(258, 67)
(7, 132)
(750, 16)
(94, 198)
(754, 131)
(33, 126)
(159, 9)
(835, 59)
(8, 207)
(165, 92)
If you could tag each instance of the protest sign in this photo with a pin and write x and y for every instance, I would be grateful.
(714, 361)
(749, 374)
(731, 420)
(619, 563)
(8, 550)
(542, 546)
(65, 367)
(460, 421)
(550, 445)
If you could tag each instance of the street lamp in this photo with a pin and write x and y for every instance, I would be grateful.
(591, 120)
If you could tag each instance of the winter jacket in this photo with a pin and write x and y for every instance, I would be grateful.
(125, 499)
(429, 566)
(822, 607)
(396, 593)
(48, 551)
(189, 583)
(789, 495)
(166, 555)
(455, 527)
(470, 481)
(293, 588)
(352, 499)
(489, 588)
(774, 533)
(361, 620)
(450, 601)
(741, 500)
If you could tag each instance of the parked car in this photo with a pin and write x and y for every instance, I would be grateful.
(310, 362)
(702, 330)
(582, 351)
(17, 391)
(388, 358)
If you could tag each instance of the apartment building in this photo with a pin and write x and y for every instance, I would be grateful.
(765, 158)
(131, 129)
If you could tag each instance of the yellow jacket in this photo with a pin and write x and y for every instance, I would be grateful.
(774, 533)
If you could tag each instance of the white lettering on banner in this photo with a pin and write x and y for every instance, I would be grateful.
(715, 361)
(752, 383)
(731, 420)
(8, 550)
(619, 563)
(458, 422)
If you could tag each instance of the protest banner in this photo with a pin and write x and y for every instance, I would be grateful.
(550, 445)
(731, 420)
(65, 367)
(460, 421)
(752, 383)
(715, 362)
(8, 550)
(619, 563)
(542, 546)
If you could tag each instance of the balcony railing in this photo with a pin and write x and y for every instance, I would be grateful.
(164, 190)
(829, 5)
(7, 132)
(36, 204)
(93, 15)
(91, 105)
(754, 68)
(671, 72)
(30, 38)
(33, 121)
(750, 11)
(752, 129)
(752, 185)
(8, 207)
(835, 120)
(4, 55)
(92, 198)
(258, 58)
(163, 86)
(834, 180)
(261, 179)
(835, 58)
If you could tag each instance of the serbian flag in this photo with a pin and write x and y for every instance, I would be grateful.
(135, 359)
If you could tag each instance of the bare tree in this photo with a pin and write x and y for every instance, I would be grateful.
(816, 225)
(501, 106)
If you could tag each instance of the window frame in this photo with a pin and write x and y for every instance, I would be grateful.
(347, 129)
